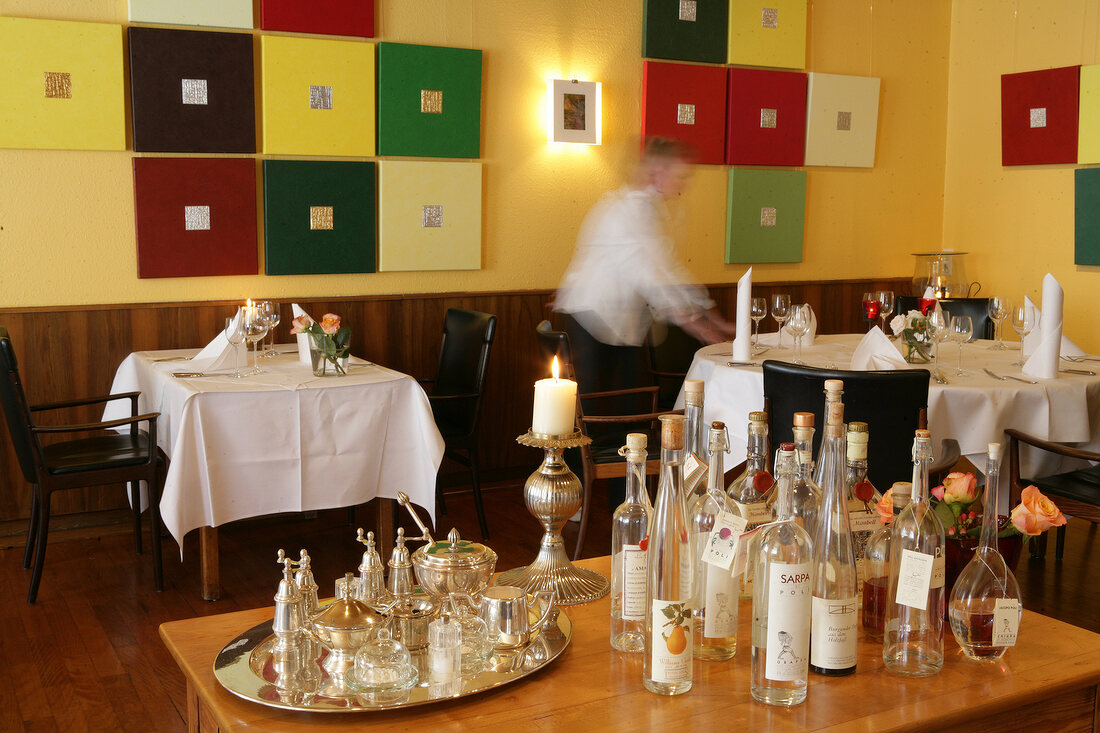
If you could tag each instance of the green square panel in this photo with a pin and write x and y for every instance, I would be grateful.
(1086, 248)
(319, 217)
(686, 30)
(429, 101)
(765, 216)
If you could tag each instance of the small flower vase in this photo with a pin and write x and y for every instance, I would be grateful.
(917, 352)
(323, 366)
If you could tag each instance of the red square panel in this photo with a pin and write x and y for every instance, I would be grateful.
(331, 17)
(687, 103)
(766, 120)
(1039, 116)
(195, 216)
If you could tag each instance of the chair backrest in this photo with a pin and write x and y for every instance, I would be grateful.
(890, 402)
(670, 350)
(976, 308)
(464, 361)
(16, 411)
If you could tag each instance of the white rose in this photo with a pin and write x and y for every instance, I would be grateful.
(897, 324)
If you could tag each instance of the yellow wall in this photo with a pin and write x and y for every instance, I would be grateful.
(1017, 222)
(66, 218)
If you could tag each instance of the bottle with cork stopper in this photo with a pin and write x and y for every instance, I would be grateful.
(695, 441)
(862, 497)
(629, 543)
(753, 493)
(876, 556)
(834, 392)
(805, 495)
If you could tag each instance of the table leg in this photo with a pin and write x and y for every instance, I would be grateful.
(208, 551)
(192, 708)
(386, 529)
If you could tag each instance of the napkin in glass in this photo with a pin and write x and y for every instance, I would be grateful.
(1031, 341)
(742, 341)
(218, 354)
(1043, 363)
(303, 338)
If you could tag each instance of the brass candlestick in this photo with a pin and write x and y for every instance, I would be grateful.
(553, 494)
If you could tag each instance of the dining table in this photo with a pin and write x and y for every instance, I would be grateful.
(975, 409)
(282, 440)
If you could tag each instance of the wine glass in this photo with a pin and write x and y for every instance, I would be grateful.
(1023, 323)
(758, 313)
(255, 328)
(886, 305)
(962, 328)
(270, 311)
(781, 306)
(234, 333)
(871, 307)
(999, 309)
(800, 320)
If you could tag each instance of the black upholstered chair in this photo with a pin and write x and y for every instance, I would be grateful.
(1077, 493)
(893, 403)
(976, 308)
(670, 351)
(103, 459)
(457, 392)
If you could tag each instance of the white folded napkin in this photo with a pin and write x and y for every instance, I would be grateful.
(1043, 363)
(217, 354)
(929, 293)
(772, 339)
(303, 338)
(742, 341)
(875, 351)
(1031, 341)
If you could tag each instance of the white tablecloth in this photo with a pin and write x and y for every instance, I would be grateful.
(974, 409)
(282, 441)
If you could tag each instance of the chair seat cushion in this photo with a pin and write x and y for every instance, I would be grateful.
(1082, 485)
(99, 452)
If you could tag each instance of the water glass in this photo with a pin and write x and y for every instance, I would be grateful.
(886, 306)
(801, 319)
(781, 306)
(1023, 323)
(758, 313)
(962, 328)
(255, 328)
(270, 312)
(999, 309)
(871, 307)
(234, 333)
(940, 321)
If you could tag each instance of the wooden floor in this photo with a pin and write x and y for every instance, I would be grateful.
(87, 656)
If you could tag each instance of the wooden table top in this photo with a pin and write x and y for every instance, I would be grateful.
(1053, 668)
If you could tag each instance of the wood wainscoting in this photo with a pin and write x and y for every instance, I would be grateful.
(73, 351)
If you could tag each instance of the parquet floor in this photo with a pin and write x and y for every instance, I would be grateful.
(87, 656)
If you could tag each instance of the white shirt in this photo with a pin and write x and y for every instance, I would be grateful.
(624, 267)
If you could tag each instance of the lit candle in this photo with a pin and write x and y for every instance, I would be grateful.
(555, 405)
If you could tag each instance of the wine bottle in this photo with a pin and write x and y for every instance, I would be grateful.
(629, 527)
(985, 607)
(805, 494)
(912, 642)
(666, 666)
(714, 590)
(862, 496)
(877, 566)
(695, 445)
(835, 602)
(751, 493)
(781, 599)
(834, 392)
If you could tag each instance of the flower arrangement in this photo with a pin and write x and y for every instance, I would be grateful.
(330, 339)
(915, 328)
(958, 503)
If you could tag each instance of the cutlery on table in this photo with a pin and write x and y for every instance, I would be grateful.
(1077, 359)
(1008, 376)
(1086, 372)
(191, 375)
(938, 376)
(171, 358)
(742, 364)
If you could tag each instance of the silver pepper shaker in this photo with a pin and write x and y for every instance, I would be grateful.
(307, 586)
(401, 581)
(372, 585)
(287, 623)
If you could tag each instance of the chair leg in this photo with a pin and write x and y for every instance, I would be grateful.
(154, 530)
(583, 529)
(135, 508)
(1060, 545)
(32, 528)
(40, 549)
(475, 480)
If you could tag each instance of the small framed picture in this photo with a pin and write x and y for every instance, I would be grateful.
(576, 114)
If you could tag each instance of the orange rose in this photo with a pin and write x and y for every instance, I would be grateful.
(960, 488)
(885, 507)
(1036, 513)
(330, 324)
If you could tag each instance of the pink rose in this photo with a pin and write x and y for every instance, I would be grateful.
(938, 492)
(1036, 513)
(960, 488)
(301, 323)
(330, 324)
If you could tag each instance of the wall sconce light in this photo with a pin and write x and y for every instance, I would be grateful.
(576, 111)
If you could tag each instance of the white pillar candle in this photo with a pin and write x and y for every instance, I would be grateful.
(555, 405)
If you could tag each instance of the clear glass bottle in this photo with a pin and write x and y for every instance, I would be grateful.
(781, 602)
(985, 607)
(695, 442)
(835, 603)
(666, 665)
(714, 590)
(834, 392)
(862, 497)
(751, 492)
(912, 642)
(806, 495)
(629, 528)
(877, 566)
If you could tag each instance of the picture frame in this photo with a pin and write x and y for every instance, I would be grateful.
(576, 111)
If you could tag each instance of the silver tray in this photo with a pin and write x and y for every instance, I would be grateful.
(244, 667)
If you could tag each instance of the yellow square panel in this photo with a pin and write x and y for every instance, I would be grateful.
(61, 85)
(318, 96)
(429, 216)
(768, 33)
(1088, 126)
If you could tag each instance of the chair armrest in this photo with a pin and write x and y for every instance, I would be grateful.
(617, 419)
(85, 427)
(1062, 450)
(618, 393)
(443, 397)
(658, 373)
(132, 396)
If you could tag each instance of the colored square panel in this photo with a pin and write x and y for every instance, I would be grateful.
(767, 33)
(1039, 116)
(318, 96)
(841, 120)
(1086, 248)
(318, 217)
(214, 13)
(687, 103)
(192, 91)
(766, 120)
(429, 101)
(1088, 124)
(195, 216)
(686, 30)
(61, 85)
(329, 17)
(429, 216)
(765, 216)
